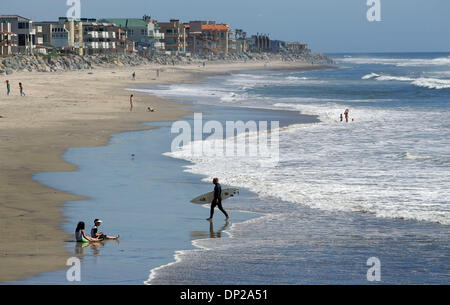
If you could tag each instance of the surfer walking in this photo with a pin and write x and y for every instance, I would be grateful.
(217, 201)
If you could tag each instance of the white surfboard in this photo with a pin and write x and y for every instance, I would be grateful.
(208, 197)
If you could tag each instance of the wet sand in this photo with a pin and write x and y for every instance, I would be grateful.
(62, 110)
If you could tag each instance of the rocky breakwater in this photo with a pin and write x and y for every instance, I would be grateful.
(50, 63)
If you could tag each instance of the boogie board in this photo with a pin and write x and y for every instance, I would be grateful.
(208, 197)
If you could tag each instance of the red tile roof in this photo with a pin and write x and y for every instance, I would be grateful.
(215, 27)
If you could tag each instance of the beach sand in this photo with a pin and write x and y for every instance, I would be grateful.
(71, 109)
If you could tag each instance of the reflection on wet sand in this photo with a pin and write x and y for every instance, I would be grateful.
(211, 233)
(94, 246)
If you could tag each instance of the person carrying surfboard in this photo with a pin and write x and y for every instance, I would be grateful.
(217, 201)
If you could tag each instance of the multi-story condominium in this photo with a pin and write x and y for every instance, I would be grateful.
(124, 45)
(99, 37)
(259, 43)
(236, 41)
(175, 36)
(26, 33)
(52, 34)
(208, 37)
(144, 32)
(8, 39)
(75, 34)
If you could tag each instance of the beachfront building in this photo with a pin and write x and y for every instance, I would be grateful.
(52, 36)
(296, 47)
(236, 41)
(124, 45)
(99, 37)
(174, 36)
(8, 39)
(75, 34)
(23, 27)
(259, 43)
(208, 38)
(144, 32)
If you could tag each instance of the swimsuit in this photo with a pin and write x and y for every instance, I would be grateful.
(80, 238)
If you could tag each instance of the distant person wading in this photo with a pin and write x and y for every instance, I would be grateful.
(346, 112)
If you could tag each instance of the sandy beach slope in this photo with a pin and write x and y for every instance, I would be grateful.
(62, 110)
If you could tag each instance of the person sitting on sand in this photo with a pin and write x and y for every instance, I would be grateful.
(101, 235)
(81, 236)
(149, 109)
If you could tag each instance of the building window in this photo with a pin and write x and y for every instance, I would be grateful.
(24, 25)
(21, 39)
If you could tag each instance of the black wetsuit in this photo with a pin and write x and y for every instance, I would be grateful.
(217, 201)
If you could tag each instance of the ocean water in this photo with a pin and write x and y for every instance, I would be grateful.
(378, 185)
(341, 193)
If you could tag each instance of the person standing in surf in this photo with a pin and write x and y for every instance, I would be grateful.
(217, 201)
(346, 112)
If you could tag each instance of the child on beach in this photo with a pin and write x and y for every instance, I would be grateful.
(81, 236)
(101, 235)
(8, 87)
(21, 90)
(131, 102)
(149, 109)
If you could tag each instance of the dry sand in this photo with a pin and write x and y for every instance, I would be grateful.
(62, 110)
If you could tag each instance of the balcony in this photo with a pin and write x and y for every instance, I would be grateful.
(92, 45)
(158, 45)
(154, 35)
(92, 34)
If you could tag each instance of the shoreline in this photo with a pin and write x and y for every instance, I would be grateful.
(33, 140)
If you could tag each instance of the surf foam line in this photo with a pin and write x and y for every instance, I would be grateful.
(248, 172)
(398, 62)
(426, 82)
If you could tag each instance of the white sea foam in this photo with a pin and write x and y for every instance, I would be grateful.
(371, 75)
(246, 81)
(337, 166)
(372, 164)
(389, 162)
(431, 83)
(399, 62)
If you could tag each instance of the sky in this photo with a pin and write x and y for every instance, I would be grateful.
(330, 26)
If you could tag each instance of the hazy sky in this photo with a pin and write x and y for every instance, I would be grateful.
(326, 25)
